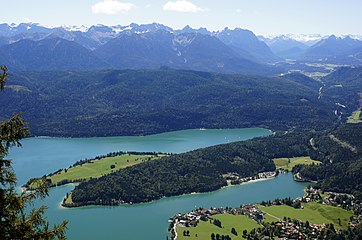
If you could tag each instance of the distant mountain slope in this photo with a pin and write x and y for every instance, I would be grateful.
(48, 54)
(246, 44)
(131, 102)
(242, 42)
(344, 86)
(332, 46)
(286, 47)
(3, 41)
(185, 51)
(283, 43)
(333, 50)
(22, 29)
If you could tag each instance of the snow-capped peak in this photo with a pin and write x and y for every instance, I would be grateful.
(75, 28)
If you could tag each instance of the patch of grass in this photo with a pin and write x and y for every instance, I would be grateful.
(68, 200)
(98, 168)
(355, 117)
(228, 221)
(289, 163)
(313, 212)
(315, 74)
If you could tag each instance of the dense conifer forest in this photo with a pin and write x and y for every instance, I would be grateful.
(140, 102)
(341, 154)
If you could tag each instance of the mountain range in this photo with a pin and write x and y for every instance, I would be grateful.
(343, 50)
(29, 46)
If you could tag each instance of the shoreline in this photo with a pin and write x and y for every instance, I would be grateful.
(185, 194)
(152, 134)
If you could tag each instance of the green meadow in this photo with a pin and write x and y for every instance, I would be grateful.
(313, 212)
(289, 163)
(355, 117)
(98, 168)
(228, 221)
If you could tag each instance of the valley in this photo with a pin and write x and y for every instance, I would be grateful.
(156, 131)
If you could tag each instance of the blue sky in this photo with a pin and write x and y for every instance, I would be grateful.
(260, 16)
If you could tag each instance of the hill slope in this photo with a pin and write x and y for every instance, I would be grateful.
(138, 102)
(48, 54)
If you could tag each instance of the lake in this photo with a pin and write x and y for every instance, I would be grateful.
(40, 156)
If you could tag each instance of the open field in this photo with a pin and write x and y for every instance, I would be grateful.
(289, 163)
(315, 74)
(98, 168)
(313, 212)
(228, 221)
(323, 65)
(68, 199)
(355, 117)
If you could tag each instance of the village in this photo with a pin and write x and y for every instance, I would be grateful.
(191, 219)
(235, 178)
(285, 227)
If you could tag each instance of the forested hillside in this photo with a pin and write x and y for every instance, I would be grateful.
(344, 86)
(139, 102)
(341, 154)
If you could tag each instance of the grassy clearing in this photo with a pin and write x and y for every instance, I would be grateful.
(313, 212)
(315, 74)
(68, 200)
(289, 163)
(228, 221)
(98, 168)
(355, 117)
(323, 65)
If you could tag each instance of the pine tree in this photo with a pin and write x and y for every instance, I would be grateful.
(15, 221)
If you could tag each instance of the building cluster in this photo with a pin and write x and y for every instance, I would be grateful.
(235, 178)
(287, 229)
(191, 219)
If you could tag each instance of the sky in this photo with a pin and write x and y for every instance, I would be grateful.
(264, 17)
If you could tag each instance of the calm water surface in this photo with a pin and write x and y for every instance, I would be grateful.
(39, 156)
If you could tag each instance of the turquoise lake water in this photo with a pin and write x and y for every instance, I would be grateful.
(40, 156)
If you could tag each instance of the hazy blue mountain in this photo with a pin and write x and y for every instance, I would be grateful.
(147, 50)
(294, 53)
(188, 29)
(283, 43)
(246, 44)
(152, 27)
(285, 47)
(22, 28)
(155, 45)
(186, 51)
(48, 54)
(331, 48)
(353, 56)
(3, 41)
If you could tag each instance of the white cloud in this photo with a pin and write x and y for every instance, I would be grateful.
(111, 7)
(182, 6)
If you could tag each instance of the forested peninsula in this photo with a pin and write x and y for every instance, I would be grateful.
(202, 170)
(196, 171)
